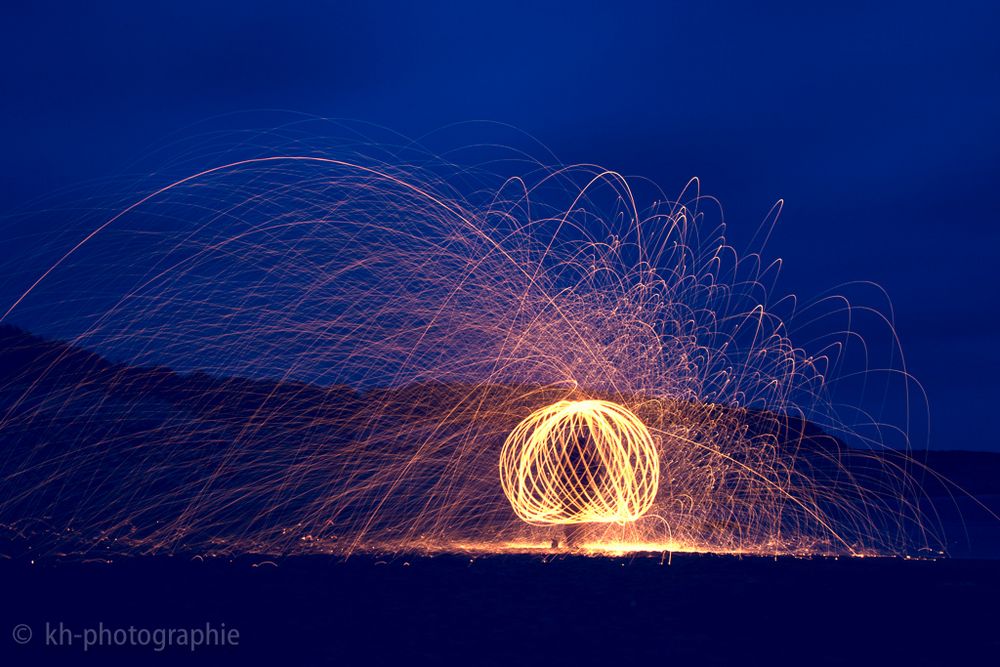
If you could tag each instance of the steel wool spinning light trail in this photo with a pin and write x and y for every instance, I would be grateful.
(580, 462)
(299, 353)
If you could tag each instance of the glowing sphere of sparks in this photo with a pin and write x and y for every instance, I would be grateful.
(580, 462)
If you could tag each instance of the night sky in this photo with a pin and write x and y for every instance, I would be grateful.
(876, 124)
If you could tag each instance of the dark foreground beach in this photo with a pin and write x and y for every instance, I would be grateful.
(501, 610)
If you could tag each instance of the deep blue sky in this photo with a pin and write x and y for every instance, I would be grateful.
(877, 124)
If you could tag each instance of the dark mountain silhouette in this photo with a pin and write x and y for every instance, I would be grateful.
(57, 399)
